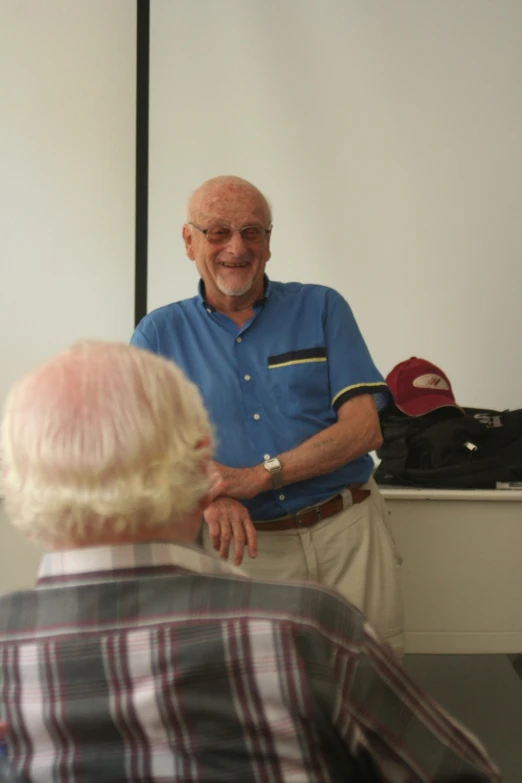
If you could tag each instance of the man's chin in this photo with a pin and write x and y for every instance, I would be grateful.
(236, 291)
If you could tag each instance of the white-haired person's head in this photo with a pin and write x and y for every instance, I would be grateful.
(105, 443)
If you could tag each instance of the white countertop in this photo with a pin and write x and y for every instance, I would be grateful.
(412, 493)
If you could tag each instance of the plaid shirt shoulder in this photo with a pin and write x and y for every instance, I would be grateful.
(160, 673)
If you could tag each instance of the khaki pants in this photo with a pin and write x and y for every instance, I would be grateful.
(352, 551)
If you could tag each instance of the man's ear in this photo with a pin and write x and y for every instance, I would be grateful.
(188, 239)
(269, 252)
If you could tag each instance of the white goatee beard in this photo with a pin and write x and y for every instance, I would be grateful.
(234, 291)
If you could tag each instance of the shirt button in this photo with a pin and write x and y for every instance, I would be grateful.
(247, 377)
(267, 456)
(209, 310)
(239, 340)
(281, 497)
(256, 416)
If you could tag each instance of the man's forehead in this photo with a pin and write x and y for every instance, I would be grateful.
(231, 203)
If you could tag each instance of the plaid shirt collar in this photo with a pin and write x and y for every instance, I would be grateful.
(127, 561)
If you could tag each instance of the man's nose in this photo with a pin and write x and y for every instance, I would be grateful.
(236, 244)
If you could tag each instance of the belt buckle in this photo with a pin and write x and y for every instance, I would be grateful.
(317, 510)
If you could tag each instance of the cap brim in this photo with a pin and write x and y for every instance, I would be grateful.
(426, 404)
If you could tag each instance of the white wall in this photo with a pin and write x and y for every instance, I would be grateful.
(67, 147)
(389, 139)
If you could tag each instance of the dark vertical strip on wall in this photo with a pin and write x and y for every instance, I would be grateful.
(142, 159)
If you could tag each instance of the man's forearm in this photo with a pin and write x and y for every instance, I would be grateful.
(325, 452)
(356, 432)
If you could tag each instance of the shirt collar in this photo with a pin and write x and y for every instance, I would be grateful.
(104, 563)
(257, 303)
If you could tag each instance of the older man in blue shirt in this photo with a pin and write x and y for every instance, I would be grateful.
(294, 396)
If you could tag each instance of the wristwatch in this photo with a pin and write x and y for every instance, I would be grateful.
(275, 468)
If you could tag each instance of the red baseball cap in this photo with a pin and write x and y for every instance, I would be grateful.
(419, 387)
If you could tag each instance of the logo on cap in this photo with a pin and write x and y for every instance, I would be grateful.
(431, 381)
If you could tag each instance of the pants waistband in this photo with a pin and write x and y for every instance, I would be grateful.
(311, 515)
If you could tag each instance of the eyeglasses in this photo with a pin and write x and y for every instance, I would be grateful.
(219, 235)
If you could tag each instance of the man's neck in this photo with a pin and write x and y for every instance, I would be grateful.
(239, 314)
(238, 308)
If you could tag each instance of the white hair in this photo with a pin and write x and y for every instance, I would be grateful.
(105, 437)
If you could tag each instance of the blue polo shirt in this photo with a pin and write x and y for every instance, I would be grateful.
(274, 382)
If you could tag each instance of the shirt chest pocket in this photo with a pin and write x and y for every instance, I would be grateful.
(300, 381)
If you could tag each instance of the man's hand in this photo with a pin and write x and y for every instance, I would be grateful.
(229, 520)
(216, 484)
(243, 483)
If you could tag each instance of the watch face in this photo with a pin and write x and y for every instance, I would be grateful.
(273, 464)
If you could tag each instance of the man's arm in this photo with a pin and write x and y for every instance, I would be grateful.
(356, 432)
(390, 725)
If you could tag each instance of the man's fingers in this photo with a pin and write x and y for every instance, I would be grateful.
(239, 540)
(229, 521)
(214, 531)
(251, 537)
(226, 538)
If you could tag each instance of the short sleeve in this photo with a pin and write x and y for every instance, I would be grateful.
(140, 339)
(350, 365)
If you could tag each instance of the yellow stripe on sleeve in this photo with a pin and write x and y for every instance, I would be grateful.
(355, 386)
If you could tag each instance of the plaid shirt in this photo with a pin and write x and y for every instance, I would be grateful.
(157, 662)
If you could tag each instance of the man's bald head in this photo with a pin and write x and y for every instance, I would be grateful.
(220, 192)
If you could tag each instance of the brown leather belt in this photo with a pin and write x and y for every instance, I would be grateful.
(312, 514)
